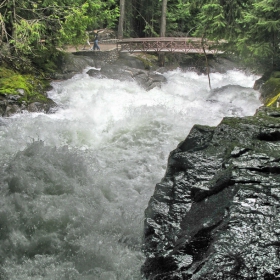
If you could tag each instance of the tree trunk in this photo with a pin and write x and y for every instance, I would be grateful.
(163, 18)
(121, 19)
(206, 61)
(161, 58)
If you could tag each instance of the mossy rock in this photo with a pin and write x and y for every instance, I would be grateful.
(274, 101)
(28, 87)
(275, 74)
(270, 90)
(150, 61)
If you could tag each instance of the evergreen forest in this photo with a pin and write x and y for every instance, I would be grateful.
(32, 31)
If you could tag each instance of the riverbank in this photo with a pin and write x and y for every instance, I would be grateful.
(16, 97)
(207, 216)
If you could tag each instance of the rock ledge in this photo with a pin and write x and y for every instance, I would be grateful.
(215, 214)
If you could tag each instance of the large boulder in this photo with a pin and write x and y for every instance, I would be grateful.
(20, 93)
(130, 68)
(10, 105)
(145, 78)
(215, 214)
(133, 61)
(71, 65)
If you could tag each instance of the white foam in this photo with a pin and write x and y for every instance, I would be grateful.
(122, 136)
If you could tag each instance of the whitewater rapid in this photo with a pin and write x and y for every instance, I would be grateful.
(75, 183)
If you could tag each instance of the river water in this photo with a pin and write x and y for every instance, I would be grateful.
(75, 184)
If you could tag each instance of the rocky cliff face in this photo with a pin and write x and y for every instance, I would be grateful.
(216, 213)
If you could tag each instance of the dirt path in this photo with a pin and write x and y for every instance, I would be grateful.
(103, 47)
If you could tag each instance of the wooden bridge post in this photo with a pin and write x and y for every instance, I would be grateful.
(161, 59)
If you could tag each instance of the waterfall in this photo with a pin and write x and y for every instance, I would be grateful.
(75, 183)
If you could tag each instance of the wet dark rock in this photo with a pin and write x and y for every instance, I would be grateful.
(146, 79)
(14, 97)
(71, 65)
(215, 214)
(10, 105)
(12, 109)
(115, 72)
(216, 63)
(95, 73)
(124, 67)
(21, 91)
(44, 107)
(129, 61)
(129, 68)
(222, 64)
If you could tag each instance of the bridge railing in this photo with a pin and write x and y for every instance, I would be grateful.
(109, 41)
(166, 44)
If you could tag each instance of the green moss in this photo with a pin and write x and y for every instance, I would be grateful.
(10, 85)
(275, 74)
(262, 117)
(233, 122)
(271, 88)
(11, 82)
(5, 73)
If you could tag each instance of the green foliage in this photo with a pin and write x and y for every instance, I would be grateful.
(27, 34)
(218, 19)
(263, 33)
(74, 26)
(30, 27)
(251, 28)
(47, 60)
(90, 15)
(178, 17)
(143, 17)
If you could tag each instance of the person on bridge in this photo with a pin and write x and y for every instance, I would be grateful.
(95, 40)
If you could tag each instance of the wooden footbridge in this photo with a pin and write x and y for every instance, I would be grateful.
(167, 44)
(158, 45)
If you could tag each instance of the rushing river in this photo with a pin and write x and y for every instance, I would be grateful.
(75, 184)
